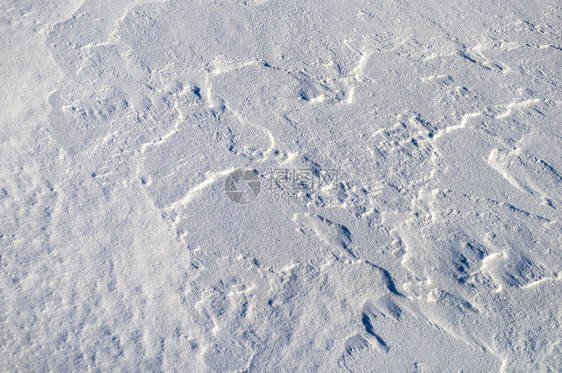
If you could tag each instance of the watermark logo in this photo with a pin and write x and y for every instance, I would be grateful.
(285, 185)
(300, 185)
(301, 179)
(242, 186)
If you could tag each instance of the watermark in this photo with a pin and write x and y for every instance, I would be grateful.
(285, 185)
(301, 179)
(242, 186)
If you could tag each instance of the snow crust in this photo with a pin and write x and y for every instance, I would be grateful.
(130, 243)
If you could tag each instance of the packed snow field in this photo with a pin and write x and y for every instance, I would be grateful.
(281, 186)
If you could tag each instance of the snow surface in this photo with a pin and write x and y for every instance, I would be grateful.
(124, 245)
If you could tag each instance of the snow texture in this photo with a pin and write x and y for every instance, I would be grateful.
(430, 240)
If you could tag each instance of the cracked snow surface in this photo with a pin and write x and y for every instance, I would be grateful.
(438, 248)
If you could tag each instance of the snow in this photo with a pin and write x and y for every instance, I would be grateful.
(401, 188)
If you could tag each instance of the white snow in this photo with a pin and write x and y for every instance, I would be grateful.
(436, 248)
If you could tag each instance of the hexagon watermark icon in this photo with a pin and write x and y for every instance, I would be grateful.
(242, 185)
